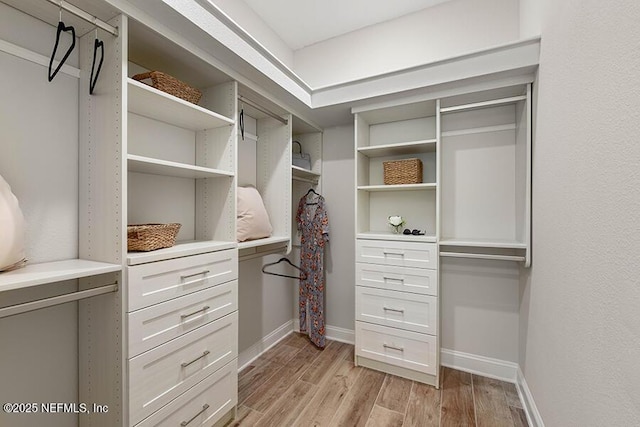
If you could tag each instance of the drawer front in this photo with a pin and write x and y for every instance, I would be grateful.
(155, 325)
(162, 374)
(406, 349)
(161, 281)
(204, 404)
(402, 254)
(418, 313)
(405, 279)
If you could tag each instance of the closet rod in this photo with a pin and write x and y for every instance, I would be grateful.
(260, 108)
(482, 256)
(57, 300)
(86, 16)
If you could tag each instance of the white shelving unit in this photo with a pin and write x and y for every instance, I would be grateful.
(151, 166)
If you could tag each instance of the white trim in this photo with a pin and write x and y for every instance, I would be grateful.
(479, 365)
(29, 55)
(531, 410)
(335, 333)
(253, 352)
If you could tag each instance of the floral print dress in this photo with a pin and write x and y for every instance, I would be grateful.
(314, 226)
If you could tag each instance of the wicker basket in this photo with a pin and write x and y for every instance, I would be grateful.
(149, 237)
(408, 171)
(170, 85)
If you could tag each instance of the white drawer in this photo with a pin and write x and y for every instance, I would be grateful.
(406, 349)
(160, 323)
(204, 404)
(402, 254)
(418, 313)
(405, 279)
(161, 281)
(162, 374)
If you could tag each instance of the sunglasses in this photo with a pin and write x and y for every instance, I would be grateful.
(415, 232)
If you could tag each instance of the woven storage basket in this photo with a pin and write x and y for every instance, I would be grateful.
(170, 85)
(149, 237)
(408, 171)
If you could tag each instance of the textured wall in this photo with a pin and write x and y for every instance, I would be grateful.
(583, 337)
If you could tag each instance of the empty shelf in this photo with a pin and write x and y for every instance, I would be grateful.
(404, 148)
(304, 174)
(484, 243)
(167, 168)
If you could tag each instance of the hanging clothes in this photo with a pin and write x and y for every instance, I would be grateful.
(314, 225)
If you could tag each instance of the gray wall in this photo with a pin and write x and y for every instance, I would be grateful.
(582, 299)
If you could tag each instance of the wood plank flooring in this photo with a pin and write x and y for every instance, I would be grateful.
(295, 384)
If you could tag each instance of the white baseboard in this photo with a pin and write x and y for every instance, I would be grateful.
(333, 333)
(480, 365)
(253, 352)
(533, 416)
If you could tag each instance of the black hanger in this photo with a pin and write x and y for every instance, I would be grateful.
(98, 44)
(242, 121)
(61, 28)
(311, 190)
(303, 274)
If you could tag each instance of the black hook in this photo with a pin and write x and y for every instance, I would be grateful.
(98, 44)
(61, 28)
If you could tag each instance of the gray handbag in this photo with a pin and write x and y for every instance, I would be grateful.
(302, 160)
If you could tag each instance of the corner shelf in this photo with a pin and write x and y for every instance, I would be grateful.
(181, 249)
(155, 104)
(398, 187)
(50, 272)
(403, 148)
(167, 168)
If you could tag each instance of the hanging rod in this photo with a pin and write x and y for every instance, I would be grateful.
(483, 256)
(86, 16)
(60, 299)
(260, 108)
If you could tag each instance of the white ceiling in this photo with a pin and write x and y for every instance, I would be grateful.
(301, 23)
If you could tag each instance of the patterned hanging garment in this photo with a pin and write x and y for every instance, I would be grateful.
(314, 226)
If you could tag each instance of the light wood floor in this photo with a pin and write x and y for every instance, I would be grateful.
(295, 384)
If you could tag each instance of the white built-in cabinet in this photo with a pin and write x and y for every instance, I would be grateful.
(474, 202)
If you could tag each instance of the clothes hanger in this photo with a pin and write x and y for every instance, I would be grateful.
(311, 190)
(303, 274)
(242, 120)
(97, 44)
(61, 28)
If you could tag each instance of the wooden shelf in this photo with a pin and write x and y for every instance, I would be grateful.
(167, 168)
(404, 148)
(181, 249)
(380, 235)
(50, 272)
(155, 104)
(262, 242)
(483, 243)
(304, 174)
(400, 187)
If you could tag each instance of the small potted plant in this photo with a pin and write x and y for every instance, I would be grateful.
(396, 222)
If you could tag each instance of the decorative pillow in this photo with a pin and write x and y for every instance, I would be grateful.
(253, 220)
(12, 230)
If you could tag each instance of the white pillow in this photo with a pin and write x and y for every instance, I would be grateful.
(252, 219)
(12, 229)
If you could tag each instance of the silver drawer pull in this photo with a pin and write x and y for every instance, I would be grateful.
(401, 253)
(184, 316)
(392, 347)
(194, 274)
(399, 279)
(392, 309)
(185, 364)
(204, 408)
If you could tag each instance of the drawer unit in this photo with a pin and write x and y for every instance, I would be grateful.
(162, 322)
(401, 254)
(418, 313)
(406, 349)
(160, 281)
(203, 405)
(405, 279)
(162, 374)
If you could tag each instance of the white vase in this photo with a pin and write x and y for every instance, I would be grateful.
(12, 229)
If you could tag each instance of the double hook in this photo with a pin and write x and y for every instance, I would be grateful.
(98, 44)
